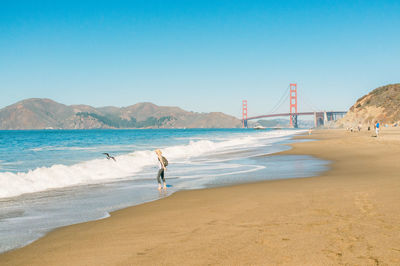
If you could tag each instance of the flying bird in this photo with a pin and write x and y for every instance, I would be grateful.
(109, 157)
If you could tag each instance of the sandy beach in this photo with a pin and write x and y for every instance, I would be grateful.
(349, 215)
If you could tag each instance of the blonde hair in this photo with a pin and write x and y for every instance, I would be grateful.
(158, 151)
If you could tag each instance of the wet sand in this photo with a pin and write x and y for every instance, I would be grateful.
(348, 215)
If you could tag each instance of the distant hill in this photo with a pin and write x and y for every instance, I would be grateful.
(274, 123)
(381, 104)
(39, 113)
(282, 123)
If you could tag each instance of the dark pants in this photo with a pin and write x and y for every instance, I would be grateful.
(160, 174)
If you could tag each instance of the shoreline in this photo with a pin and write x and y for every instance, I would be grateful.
(310, 167)
(287, 221)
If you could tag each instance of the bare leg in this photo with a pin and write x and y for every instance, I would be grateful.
(160, 175)
(163, 179)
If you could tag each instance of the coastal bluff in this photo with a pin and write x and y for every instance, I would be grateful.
(39, 113)
(382, 104)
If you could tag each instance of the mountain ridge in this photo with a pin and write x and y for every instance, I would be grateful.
(45, 113)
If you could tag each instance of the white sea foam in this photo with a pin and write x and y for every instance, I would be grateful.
(228, 170)
(103, 170)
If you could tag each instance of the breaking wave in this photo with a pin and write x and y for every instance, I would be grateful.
(126, 166)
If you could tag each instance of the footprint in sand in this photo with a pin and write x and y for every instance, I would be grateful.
(363, 203)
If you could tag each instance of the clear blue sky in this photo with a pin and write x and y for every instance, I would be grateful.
(199, 55)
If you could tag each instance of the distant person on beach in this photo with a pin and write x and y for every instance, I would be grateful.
(309, 131)
(359, 127)
(377, 128)
(163, 167)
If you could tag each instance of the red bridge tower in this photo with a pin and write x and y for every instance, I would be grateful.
(244, 113)
(293, 105)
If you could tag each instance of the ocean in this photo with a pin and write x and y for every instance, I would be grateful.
(53, 178)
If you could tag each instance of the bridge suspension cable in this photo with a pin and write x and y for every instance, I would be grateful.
(281, 101)
(309, 105)
(291, 93)
(305, 100)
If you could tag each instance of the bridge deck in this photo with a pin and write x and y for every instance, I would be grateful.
(289, 114)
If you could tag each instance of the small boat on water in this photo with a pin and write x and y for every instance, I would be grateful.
(258, 127)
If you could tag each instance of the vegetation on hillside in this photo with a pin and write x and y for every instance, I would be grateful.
(382, 104)
(117, 122)
(387, 97)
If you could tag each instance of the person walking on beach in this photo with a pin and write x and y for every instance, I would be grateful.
(163, 167)
(377, 128)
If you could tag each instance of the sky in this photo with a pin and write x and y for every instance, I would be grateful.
(202, 56)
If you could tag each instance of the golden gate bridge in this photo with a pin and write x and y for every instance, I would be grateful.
(320, 117)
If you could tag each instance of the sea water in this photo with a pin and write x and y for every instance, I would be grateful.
(53, 178)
